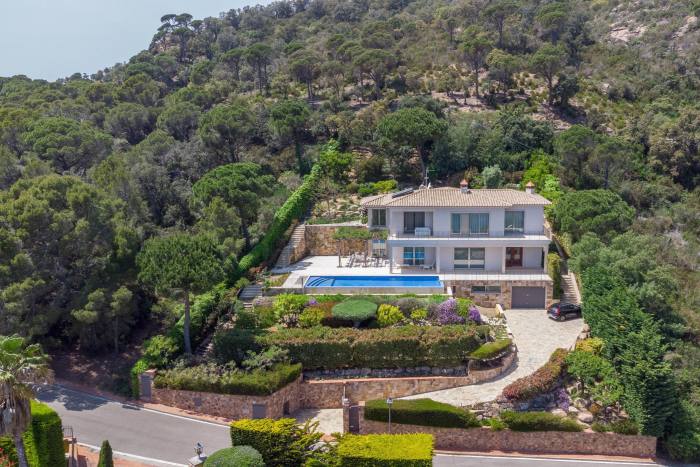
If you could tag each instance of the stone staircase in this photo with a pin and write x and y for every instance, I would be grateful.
(297, 237)
(249, 293)
(570, 292)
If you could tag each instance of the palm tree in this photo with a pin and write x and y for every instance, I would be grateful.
(21, 365)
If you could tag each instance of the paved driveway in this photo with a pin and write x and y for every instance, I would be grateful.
(536, 337)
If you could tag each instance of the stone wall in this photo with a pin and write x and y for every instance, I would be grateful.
(329, 393)
(463, 289)
(320, 242)
(550, 442)
(281, 403)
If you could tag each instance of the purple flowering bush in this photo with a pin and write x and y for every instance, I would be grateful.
(447, 313)
(312, 301)
(563, 399)
(474, 314)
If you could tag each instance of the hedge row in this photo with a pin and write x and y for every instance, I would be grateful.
(294, 208)
(255, 383)
(281, 442)
(424, 412)
(538, 421)
(541, 381)
(43, 441)
(329, 348)
(240, 456)
(412, 450)
(491, 349)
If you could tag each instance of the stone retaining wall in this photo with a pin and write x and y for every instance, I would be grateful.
(319, 241)
(281, 403)
(550, 442)
(327, 394)
(463, 289)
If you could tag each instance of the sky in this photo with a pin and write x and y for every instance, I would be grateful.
(51, 39)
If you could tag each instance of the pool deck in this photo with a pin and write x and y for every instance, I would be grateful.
(328, 266)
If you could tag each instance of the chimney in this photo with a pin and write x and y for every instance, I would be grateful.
(530, 188)
(464, 186)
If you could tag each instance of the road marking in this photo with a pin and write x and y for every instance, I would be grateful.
(549, 459)
(135, 456)
(138, 407)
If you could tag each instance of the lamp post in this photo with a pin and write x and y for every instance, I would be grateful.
(389, 401)
(200, 457)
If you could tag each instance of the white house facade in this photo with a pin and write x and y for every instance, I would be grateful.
(488, 244)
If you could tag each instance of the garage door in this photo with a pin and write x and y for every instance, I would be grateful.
(528, 297)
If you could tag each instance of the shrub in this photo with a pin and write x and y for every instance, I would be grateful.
(541, 381)
(280, 442)
(287, 304)
(211, 378)
(474, 315)
(265, 359)
(240, 456)
(463, 307)
(394, 347)
(554, 270)
(491, 349)
(424, 412)
(265, 316)
(447, 313)
(419, 315)
(388, 315)
(412, 450)
(684, 446)
(295, 206)
(408, 304)
(624, 427)
(312, 316)
(139, 367)
(592, 345)
(355, 310)
(538, 421)
(235, 345)
(105, 459)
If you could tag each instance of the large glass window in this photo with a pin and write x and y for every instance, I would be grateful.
(469, 258)
(471, 224)
(379, 248)
(378, 218)
(411, 220)
(514, 222)
(413, 256)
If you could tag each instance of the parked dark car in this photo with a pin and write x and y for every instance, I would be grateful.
(564, 311)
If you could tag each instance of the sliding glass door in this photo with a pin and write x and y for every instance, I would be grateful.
(413, 255)
(470, 258)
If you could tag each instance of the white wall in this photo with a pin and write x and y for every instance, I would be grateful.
(532, 257)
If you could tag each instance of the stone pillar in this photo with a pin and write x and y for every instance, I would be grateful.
(146, 384)
(544, 258)
(346, 415)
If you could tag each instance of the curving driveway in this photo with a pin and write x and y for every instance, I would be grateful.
(535, 336)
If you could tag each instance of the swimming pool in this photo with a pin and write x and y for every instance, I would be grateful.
(374, 281)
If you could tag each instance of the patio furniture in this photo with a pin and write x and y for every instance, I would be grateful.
(422, 232)
(429, 266)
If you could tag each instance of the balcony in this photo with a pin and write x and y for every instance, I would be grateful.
(427, 232)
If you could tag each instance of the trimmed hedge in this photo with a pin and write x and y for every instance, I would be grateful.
(491, 349)
(411, 450)
(541, 381)
(395, 347)
(43, 441)
(424, 412)
(295, 206)
(538, 421)
(356, 311)
(280, 442)
(240, 456)
(255, 383)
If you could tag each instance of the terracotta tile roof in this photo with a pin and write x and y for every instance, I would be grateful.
(453, 197)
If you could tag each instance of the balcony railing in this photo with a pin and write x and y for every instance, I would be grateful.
(428, 233)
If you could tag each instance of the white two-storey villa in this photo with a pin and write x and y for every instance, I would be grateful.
(487, 244)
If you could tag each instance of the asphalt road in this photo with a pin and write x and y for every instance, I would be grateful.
(164, 440)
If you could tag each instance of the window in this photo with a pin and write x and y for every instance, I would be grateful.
(469, 258)
(378, 218)
(411, 220)
(494, 289)
(472, 224)
(515, 222)
(379, 248)
(413, 256)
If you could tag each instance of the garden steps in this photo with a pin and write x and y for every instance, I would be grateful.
(249, 293)
(297, 237)
(570, 293)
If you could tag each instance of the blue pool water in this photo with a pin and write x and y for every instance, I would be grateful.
(373, 281)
